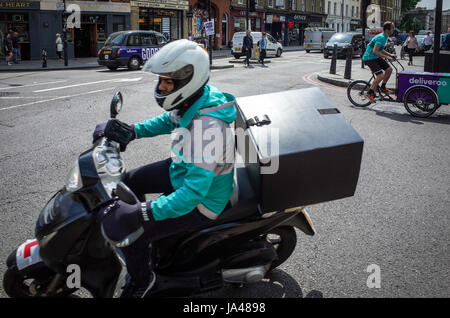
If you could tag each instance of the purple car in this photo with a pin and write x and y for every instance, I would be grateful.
(130, 48)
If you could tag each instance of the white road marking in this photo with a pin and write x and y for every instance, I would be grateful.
(89, 83)
(56, 98)
(45, 83)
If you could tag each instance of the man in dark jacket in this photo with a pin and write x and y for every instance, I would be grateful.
(8, 49)
(247, 47)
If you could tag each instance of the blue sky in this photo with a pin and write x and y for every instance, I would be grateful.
(431, 4)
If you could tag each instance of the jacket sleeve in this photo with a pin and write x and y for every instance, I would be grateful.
(196, 185)
(160, 125)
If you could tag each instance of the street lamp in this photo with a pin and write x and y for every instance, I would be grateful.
(66, 57)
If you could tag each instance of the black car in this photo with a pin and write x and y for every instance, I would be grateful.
(130, 48)
(344, 42)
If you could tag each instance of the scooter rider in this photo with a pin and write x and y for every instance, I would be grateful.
(195, 189)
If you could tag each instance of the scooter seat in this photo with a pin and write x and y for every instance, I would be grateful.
(246, 201)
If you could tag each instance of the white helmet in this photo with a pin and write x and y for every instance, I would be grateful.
(187, 64)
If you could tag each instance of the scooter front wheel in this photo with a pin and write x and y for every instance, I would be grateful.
(31, 282)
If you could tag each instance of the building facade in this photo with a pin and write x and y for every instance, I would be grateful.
(165, 16)
(37, 23)
(286, 20)
(339, 15)
(198, 14)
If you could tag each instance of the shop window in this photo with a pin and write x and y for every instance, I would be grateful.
(101, 33)
(118, 23)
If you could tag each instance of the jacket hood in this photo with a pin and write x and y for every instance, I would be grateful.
(211, 97)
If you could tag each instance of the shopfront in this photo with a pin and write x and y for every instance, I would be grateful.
(166, 17)
(18, 16)
(277, 26)
(98, 21)
(354, 24)
(238, 17)
(299, 23)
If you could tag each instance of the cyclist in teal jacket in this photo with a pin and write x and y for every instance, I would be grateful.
(196, 182)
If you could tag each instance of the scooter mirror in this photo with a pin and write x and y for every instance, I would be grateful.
(116, 105)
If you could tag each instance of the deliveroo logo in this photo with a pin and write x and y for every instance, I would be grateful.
(423, 81)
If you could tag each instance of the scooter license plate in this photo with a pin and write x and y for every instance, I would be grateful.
(28, 254)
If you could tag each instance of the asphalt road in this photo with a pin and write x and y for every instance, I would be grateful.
(399, 218)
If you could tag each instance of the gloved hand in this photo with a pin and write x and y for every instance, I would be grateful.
(120, 132)
(99, 132)
(122, 223)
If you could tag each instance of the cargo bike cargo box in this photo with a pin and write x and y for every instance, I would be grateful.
(298, 148)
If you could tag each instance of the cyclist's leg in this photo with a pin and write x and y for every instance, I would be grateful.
(377, 70)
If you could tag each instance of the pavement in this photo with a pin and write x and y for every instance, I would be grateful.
(359, 73)
(91, 62)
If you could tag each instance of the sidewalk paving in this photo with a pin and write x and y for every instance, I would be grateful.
(74, 64)
(359, 73)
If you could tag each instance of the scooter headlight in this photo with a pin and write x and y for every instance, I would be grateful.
(74, 178)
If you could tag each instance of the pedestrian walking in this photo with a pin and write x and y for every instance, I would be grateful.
(247, 46)
(262, 46)
(428, 41)
(59, 46)
(411, 46)
(15, 45)
(446, 41)
(8, 48)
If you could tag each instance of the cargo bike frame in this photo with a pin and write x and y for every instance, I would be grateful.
(422, 93)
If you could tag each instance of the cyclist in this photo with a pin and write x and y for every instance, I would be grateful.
(374, 59)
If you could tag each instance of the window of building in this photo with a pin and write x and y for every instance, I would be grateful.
(329, 7)
(346, 10)
(240, 1)
(353, 11)
(334, 9)
(270, 3)
(312, 6)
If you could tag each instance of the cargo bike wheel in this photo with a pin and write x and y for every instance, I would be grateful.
(357, 91)
(421, 101)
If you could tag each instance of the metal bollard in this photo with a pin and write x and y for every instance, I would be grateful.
(333, 60)
(348, 63)
(44, 58)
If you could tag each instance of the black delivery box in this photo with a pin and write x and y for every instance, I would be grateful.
(316, 157)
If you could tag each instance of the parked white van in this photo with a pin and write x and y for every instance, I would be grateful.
(274, 48)
(317, 37)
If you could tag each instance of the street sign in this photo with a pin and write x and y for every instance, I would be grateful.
(209, 28)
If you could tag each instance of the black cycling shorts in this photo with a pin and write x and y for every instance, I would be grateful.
(377, 65)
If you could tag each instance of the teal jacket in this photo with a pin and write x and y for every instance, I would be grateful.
(201, 177)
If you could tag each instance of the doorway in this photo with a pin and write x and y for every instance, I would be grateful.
(85, 41)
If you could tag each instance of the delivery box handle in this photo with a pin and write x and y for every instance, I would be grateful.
(255, 121)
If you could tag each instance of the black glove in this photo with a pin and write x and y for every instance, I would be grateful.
(120, 132)
(122, 223)
(99, 132)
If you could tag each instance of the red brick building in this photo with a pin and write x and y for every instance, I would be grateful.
(220, 12)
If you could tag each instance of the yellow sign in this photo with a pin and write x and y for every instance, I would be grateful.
(19, 5)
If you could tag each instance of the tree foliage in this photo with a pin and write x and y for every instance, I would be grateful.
(409, 24)
(408, 5)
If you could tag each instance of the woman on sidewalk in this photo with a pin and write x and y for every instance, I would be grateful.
(59, 46)
(412, 46)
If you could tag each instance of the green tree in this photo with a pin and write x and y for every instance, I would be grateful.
(408, 5)
(411, 24)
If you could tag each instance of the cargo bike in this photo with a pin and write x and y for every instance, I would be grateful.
(422, 93)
